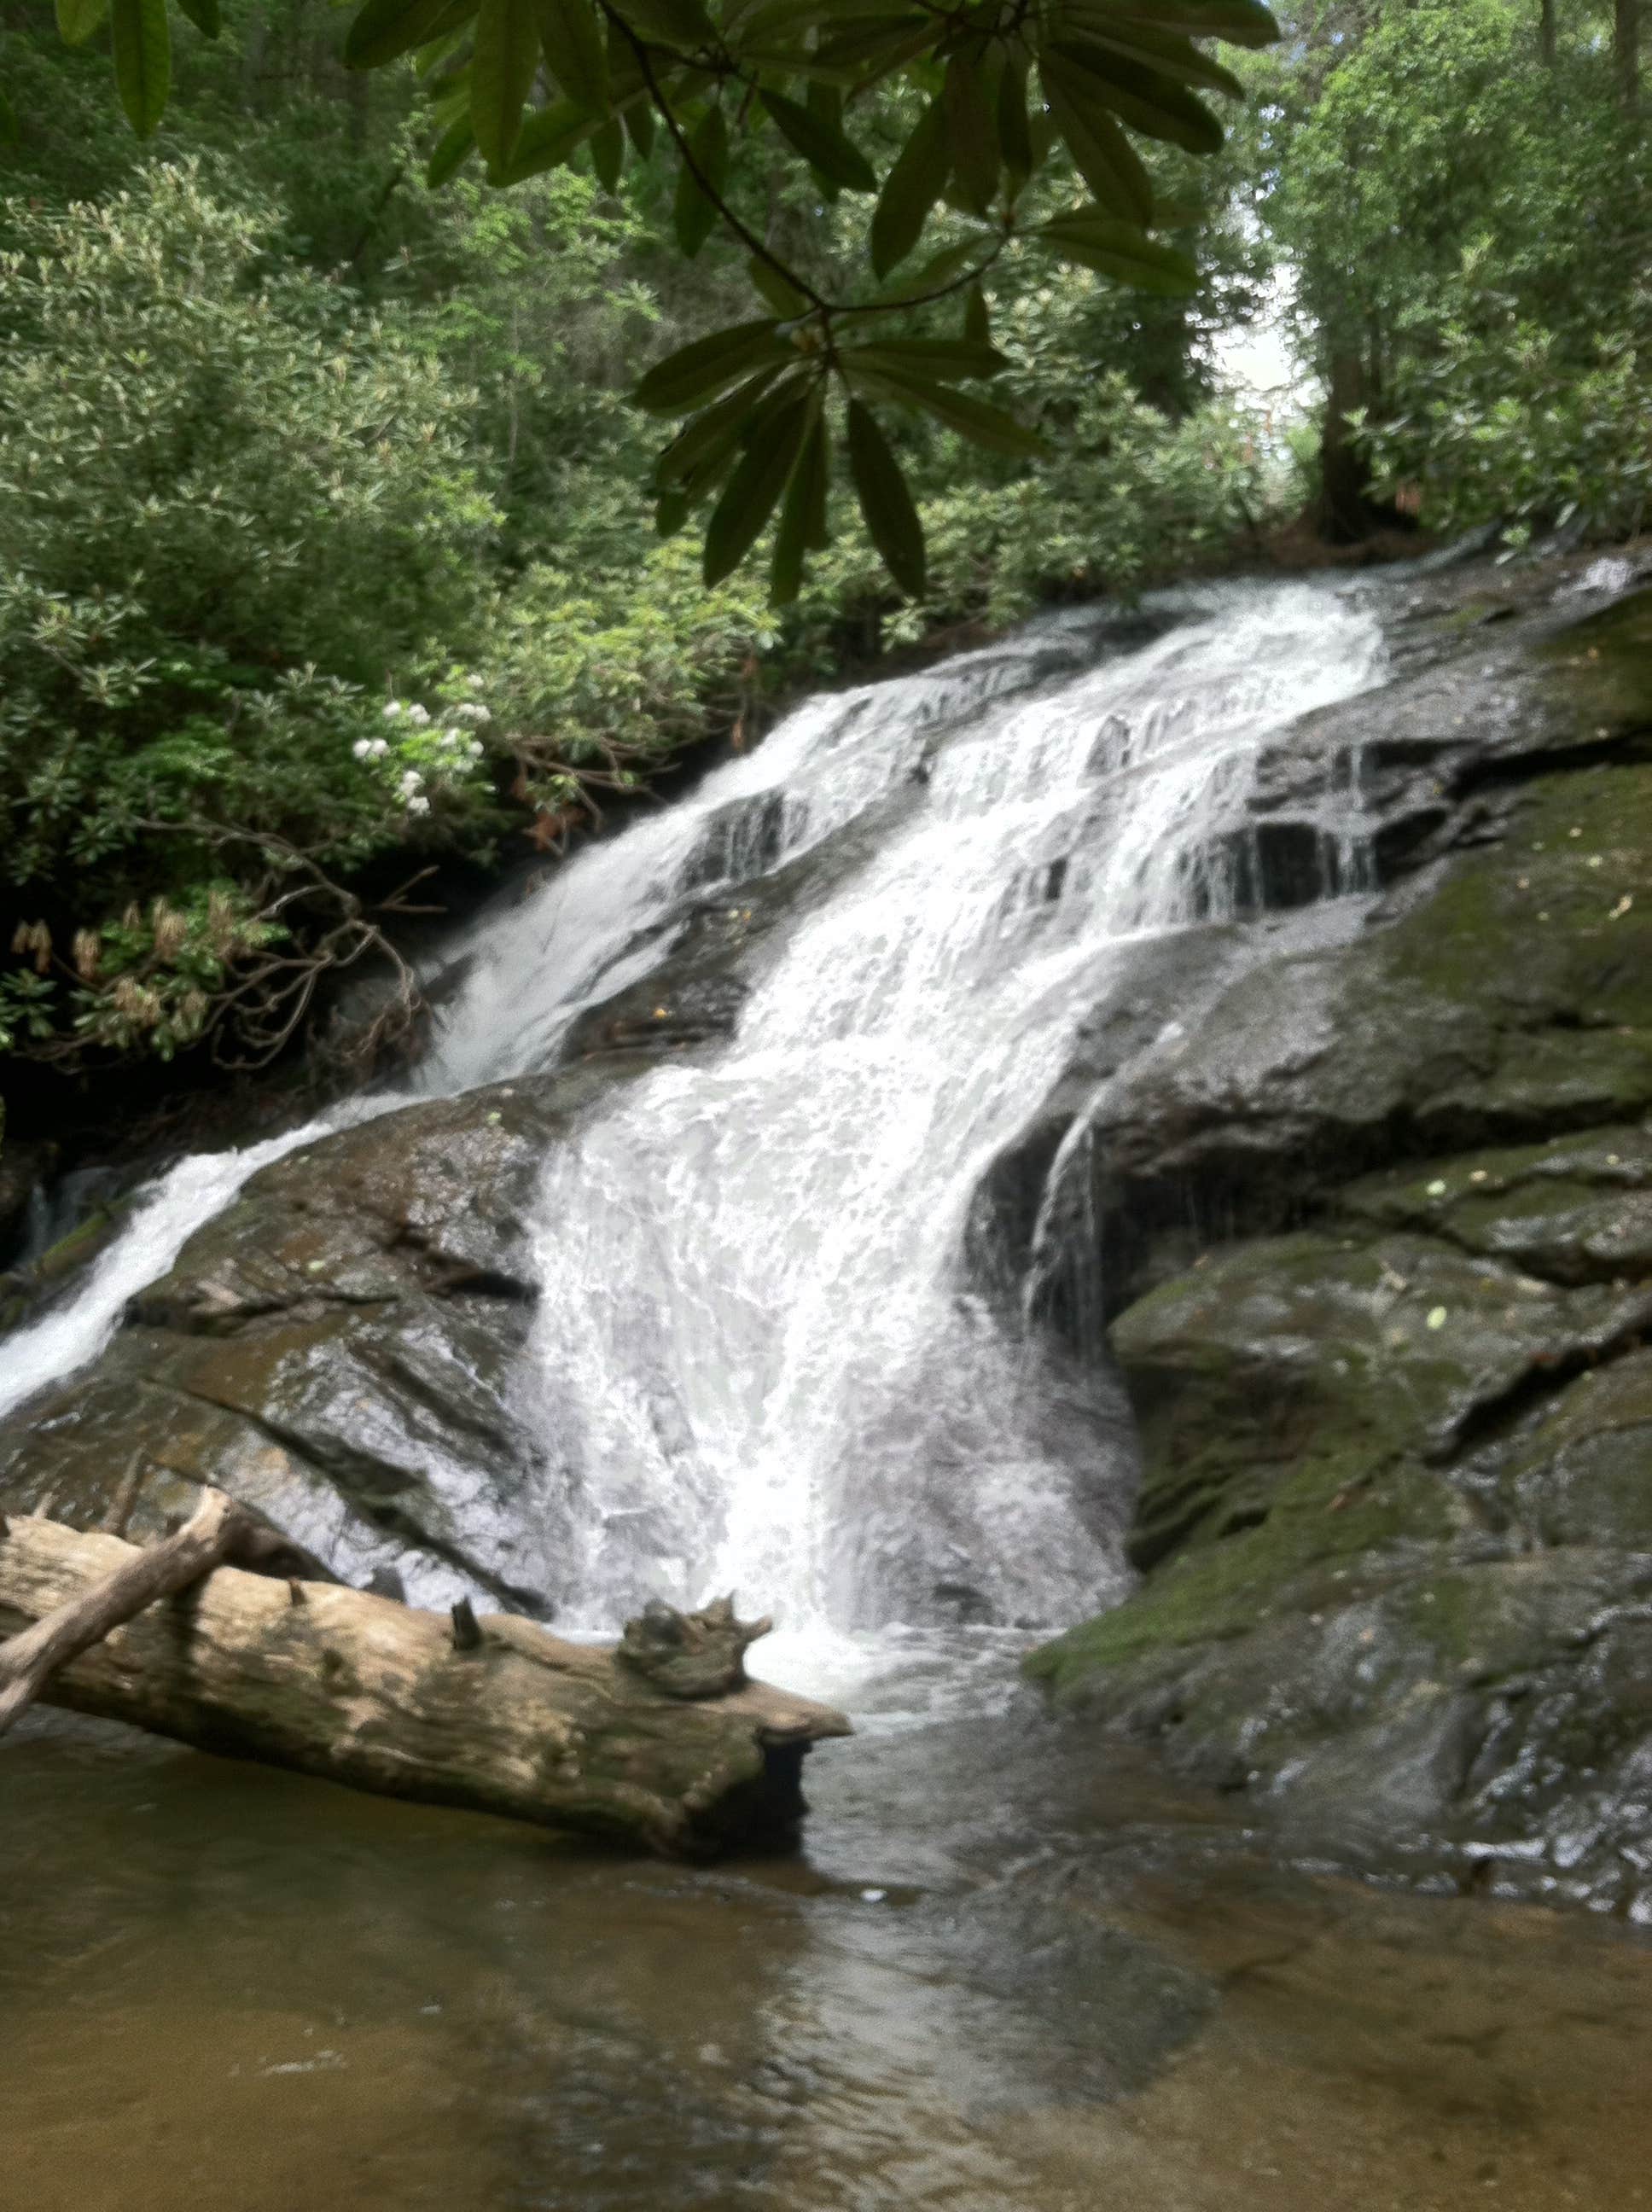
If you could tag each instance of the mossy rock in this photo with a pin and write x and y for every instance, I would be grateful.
(29, 1293)
(1396, 1510)
(1577, 1209)
(1510, 999)
(1597, 674)
(1579, 1470)
(1308, 1367)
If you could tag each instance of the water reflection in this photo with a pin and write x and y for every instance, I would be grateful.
(1003, 1980)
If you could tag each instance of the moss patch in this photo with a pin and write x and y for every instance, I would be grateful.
(1600, 671)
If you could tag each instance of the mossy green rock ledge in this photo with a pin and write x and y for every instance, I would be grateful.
(1395, 1521)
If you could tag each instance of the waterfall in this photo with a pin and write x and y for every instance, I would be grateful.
(761, 1358)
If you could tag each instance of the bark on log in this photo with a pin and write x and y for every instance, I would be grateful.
(216, 1532)
(362, 1690)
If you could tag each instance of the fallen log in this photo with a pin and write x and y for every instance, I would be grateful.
(215, 1533)
(490, 1711)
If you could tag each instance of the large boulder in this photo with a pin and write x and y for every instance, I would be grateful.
(341, 1350)
(1377, 1231)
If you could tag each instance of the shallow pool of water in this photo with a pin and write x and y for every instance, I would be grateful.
(1010, 1973)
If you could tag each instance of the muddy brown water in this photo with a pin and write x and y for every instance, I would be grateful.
(1009, 1972)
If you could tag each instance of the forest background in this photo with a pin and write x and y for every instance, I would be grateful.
(325, 558)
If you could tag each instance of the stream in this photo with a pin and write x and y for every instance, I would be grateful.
(1010, 1972)
(997, 1981)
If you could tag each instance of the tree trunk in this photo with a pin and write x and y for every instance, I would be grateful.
(1347, 513)
(1547, 42)
(493, 1713)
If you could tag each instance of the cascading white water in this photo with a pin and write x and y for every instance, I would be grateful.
(761, 1362)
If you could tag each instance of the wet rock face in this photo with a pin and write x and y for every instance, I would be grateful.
(340, 1350)
(22, 1169)
(1377, 1228)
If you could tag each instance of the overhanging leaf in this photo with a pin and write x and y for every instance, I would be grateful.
(911, 190)
(874, 50)
(693, 211)
(1174, 55)
(713, 433)
(972, 418)
(607, 154)
(972, 128)
(438, 49)
(681, 24)
(78, 19)
(453, 149)
(1241, 22)
(547, 139)
(640, 126)
(205, 14)
(821, 147)
(781, 17)
(1121, 251)
(753, 491)
(1014, 136)
(944, 360)
(1144, 98)
(699, 371)
(576, 51)
(891, 518)
(803, 517)
(142, 49)
(782, 295)
(386, 28)
(504, 59)
(935, 275)
(1104, 157)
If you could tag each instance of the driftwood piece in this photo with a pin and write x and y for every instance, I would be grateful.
(690, 1655)
(362, 1690)
(215, 1532)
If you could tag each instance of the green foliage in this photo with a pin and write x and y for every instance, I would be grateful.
(234, 449)
(321, 554)
(593, 678)
(1496, 418)
(1469, 225)
(1128, 499)
(229, 505)
(528, 87)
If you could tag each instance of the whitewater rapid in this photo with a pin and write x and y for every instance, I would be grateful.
(762, 1359)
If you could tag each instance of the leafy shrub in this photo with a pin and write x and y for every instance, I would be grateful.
(1467, 224)
(230, 503)
(594, 679)
(1497, 418)
(264, 638)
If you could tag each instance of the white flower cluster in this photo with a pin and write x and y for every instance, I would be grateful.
(456, 750)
